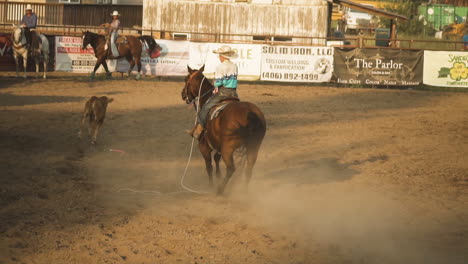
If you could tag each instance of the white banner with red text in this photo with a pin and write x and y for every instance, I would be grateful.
(173, 60)
(70, 57)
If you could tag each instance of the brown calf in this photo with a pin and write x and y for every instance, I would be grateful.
(95, 112)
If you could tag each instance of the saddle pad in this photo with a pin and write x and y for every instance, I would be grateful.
(218, 109)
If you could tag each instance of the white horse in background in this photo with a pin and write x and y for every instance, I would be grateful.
(20, 50)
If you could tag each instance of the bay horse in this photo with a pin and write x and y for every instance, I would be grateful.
(132, 50)
(241, 125)
(20, 50)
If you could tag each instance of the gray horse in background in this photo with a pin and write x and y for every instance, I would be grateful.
(20, 50)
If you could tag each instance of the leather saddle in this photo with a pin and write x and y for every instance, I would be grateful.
(219, 107)
(121, 40)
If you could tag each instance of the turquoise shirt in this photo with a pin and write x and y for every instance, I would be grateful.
(226, 75)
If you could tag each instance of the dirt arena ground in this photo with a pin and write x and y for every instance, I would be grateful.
(343, 176)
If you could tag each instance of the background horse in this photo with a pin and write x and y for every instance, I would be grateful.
(131, 50)
(20, 51)
(240, 126)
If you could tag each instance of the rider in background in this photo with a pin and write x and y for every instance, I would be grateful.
(225, 86)
(112, 32)
(29, 23)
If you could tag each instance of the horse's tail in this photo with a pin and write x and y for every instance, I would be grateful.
(254, 132)
(152, 45)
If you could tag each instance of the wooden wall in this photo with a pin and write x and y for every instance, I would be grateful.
(82, 15)
(223, 17)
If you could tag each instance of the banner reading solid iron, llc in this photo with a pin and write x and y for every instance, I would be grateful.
(446, 68)
(297, 64)
(378, 67)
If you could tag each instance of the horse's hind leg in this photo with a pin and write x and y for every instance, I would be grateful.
(252, 154)
(132, 64)
(138, 63)
(217, 158)
(206, 153)
(228, 156)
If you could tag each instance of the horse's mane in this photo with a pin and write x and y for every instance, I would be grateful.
(94, 35)
(207, 81)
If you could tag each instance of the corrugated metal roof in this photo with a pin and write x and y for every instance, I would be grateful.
(369, 9)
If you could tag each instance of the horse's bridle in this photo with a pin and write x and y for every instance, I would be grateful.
(18, 44)
(197, 98)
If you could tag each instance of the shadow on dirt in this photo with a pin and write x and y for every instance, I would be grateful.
(314, 172)
(7, 99)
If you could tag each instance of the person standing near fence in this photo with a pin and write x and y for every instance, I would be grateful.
(29, 23)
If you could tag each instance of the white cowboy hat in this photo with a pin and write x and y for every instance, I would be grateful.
(115, 13)
(226, 52)
(28, 7)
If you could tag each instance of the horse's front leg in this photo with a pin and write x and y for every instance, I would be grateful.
(46, 59)
(25, 65)
(96, 67)
(108, 73)
(36, 60)
(227, 154)
(206, 153)
(17, 65)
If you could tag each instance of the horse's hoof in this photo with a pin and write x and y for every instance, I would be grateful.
(220, 192)
(93, 142)
(138, 77)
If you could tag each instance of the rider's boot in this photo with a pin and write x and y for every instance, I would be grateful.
(196, 131)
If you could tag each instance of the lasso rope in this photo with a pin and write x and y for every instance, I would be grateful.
(187, 189)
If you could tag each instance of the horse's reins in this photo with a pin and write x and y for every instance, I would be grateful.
(18, 44)
(199, 92)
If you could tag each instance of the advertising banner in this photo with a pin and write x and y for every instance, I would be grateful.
(378, 67)
(297, 64)
(446, 68)
(248, 59)
(7, 62)
(173, 60)
(70, 57)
